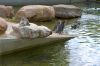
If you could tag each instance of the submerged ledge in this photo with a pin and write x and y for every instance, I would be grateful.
(14, 45)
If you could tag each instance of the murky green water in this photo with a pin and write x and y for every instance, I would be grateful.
(83, 50)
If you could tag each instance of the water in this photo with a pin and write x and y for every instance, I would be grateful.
(84, 50)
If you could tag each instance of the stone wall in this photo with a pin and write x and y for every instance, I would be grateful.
(24, 2)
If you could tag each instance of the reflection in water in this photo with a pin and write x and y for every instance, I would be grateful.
(51, 55)
(83, 50)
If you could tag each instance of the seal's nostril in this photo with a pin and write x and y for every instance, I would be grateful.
(50, 32)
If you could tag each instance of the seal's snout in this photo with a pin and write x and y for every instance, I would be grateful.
(50, 32)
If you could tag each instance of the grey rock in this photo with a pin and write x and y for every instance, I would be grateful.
(67, 11)
(36, 12)
(3, 25)
(6, 11)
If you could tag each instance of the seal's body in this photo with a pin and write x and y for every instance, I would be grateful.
(59, 26)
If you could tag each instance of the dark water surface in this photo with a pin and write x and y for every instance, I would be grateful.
(83, 50)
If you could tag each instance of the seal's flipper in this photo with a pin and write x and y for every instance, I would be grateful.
(15, 29)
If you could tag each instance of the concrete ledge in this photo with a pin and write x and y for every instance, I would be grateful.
(12, 45)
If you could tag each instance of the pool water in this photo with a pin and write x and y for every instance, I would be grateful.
(83, 50)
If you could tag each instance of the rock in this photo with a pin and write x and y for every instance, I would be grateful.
(3, 25)
(36, 12)
(6, 11)
(67, 11)
(30, 30)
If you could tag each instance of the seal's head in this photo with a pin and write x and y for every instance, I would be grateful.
(44, 31)
(24, 22)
